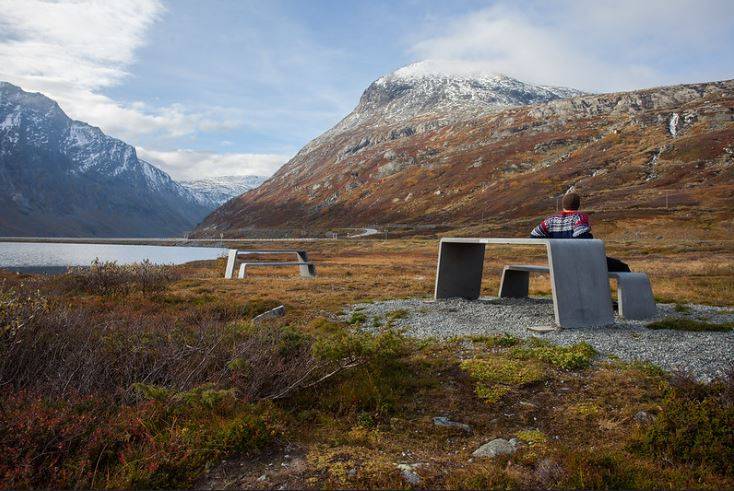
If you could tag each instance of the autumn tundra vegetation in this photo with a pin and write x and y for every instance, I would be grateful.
(156, 376)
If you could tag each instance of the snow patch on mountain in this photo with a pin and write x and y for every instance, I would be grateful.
(421, 90)
(215, 191)
(425, 95)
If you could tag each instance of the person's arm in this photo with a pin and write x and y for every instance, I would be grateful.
(582, 228)
(540, 231)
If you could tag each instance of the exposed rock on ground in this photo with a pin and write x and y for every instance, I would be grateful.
(498, 446)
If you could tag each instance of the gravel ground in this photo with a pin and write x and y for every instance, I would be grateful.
(704, 355)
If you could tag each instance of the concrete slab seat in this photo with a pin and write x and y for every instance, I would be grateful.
(307, 269)
(634, 294)
(578, 270)
(311, 269)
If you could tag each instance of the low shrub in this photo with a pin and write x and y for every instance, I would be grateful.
(63, 350)
(491, 393)
(396, 314)
(646, 367)
(497, 376)
(695, 426)
(682, 308)
(574, 357)
(503, 340)
(603, 469)
(500, 370)
(91, 442)
(532, 436)
(110, 278)
(690, 325)
(94, 398)
(380, 376)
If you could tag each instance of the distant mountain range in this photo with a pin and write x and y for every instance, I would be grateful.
(213, 192)
(458, 150)
(60, 177)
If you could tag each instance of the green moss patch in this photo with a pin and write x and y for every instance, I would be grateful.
(500, 370)
(532, 436)
(497, 376)
(690, 325)
(574, 357)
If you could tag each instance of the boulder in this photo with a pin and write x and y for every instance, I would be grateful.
(643, 417)
(447, 423)
(408, 473)
(498, 446)
(278, 311)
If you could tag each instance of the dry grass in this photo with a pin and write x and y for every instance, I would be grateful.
(359, 271)
(353, 429)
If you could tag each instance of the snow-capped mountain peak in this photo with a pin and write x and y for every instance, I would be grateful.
(440, 92)
(215, 191)
(440, 69)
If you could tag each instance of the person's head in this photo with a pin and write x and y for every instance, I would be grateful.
(571, 201)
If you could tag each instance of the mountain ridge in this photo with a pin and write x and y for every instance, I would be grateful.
(59, 176)
(458, 167)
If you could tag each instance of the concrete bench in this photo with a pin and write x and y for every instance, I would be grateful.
(578, 270)
(634, 294)
(306, 268)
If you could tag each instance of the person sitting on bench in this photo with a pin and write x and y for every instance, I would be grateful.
(572, 224)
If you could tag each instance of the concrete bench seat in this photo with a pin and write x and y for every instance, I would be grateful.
(634, 294)
(308, 270)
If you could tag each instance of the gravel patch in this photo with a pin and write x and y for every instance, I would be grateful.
(703, 355)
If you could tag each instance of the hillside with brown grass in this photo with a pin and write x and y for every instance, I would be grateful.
(661, 158)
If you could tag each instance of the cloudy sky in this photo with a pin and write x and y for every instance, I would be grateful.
(206, 88)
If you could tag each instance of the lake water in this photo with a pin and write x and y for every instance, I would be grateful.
(55, 258)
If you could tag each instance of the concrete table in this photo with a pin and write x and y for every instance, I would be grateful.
(235, 254)
(578, 271)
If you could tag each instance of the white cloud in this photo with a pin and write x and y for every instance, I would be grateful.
(190, 164)
(72, 50)
(597, 46)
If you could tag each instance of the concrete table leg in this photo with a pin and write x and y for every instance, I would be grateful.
(229, 271)
(514, 284)
(307, 271)
(459, 270)
(636, 301)
(581, 294)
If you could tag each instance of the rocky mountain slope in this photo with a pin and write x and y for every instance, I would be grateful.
(213, 192)
(419, 150)
(62, 177)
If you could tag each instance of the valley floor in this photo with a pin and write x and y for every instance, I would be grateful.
(159, 378)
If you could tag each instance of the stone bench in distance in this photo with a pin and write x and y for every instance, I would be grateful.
(306, 268)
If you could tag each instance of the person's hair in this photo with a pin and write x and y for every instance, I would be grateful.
(571, 201)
